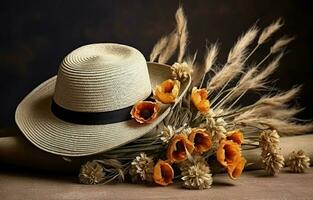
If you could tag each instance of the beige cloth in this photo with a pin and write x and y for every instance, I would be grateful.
(251, 185)
(15, 149)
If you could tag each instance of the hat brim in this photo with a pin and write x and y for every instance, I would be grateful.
(36, 121)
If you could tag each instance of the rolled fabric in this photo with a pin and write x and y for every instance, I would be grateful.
(16, 149)
(287, 145)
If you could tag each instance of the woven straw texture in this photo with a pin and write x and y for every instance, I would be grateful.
(90, 79)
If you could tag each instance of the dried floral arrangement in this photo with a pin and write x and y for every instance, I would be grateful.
(208, 127)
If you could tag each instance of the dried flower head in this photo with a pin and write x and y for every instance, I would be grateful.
(176, 151)
(181, 71)
(201, 140)
(167, 133)
(142, 169)
(190, 162)
(145, 111)
(215, 126)
(199, 98)
(269, 139)
(196, 174)
(163, 173)
(273, 162)
(167, 91)
(298, 161)
(91, 173)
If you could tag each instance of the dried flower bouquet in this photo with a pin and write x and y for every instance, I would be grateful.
(209, 125)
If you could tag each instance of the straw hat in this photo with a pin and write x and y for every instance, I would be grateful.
(85, 109)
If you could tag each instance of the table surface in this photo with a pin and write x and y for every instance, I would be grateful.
(251, 185)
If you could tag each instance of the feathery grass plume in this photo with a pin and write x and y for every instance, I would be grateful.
(280, 44)
(180, 20)
(284, 113)
(158, 47)
(286, 127)
(283, 126)
(270, 30)
(170, 48)
(182, 44)
(247, 76)
(198, 70)
(210, 57)
(227, 73)
(239, 51)
(182, 32)
(272, 66)
(269, 111)
(258, 81)
(281, 98)
(174, 38)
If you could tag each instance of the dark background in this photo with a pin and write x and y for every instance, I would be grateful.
(36, 35)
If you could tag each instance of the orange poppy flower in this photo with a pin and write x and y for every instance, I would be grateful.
(167, 91)
(176, 151)
(145, 111)
(235, 136)
(228, 154)
(236, 170)
(199, 99)
(163, 173)
(201, 140)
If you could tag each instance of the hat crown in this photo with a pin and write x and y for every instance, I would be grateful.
(102, 77)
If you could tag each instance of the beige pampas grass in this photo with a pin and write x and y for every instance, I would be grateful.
(238, 52)
(158, 47)
(178, 37)
(284, 126)
(182, 32)
(280, 44)
(180, 20)
(253, 81)
(170, 48)
(227, 73)
(263, 75)
(182, 44)
(210, 57)
(281, 98)
(270, 30)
